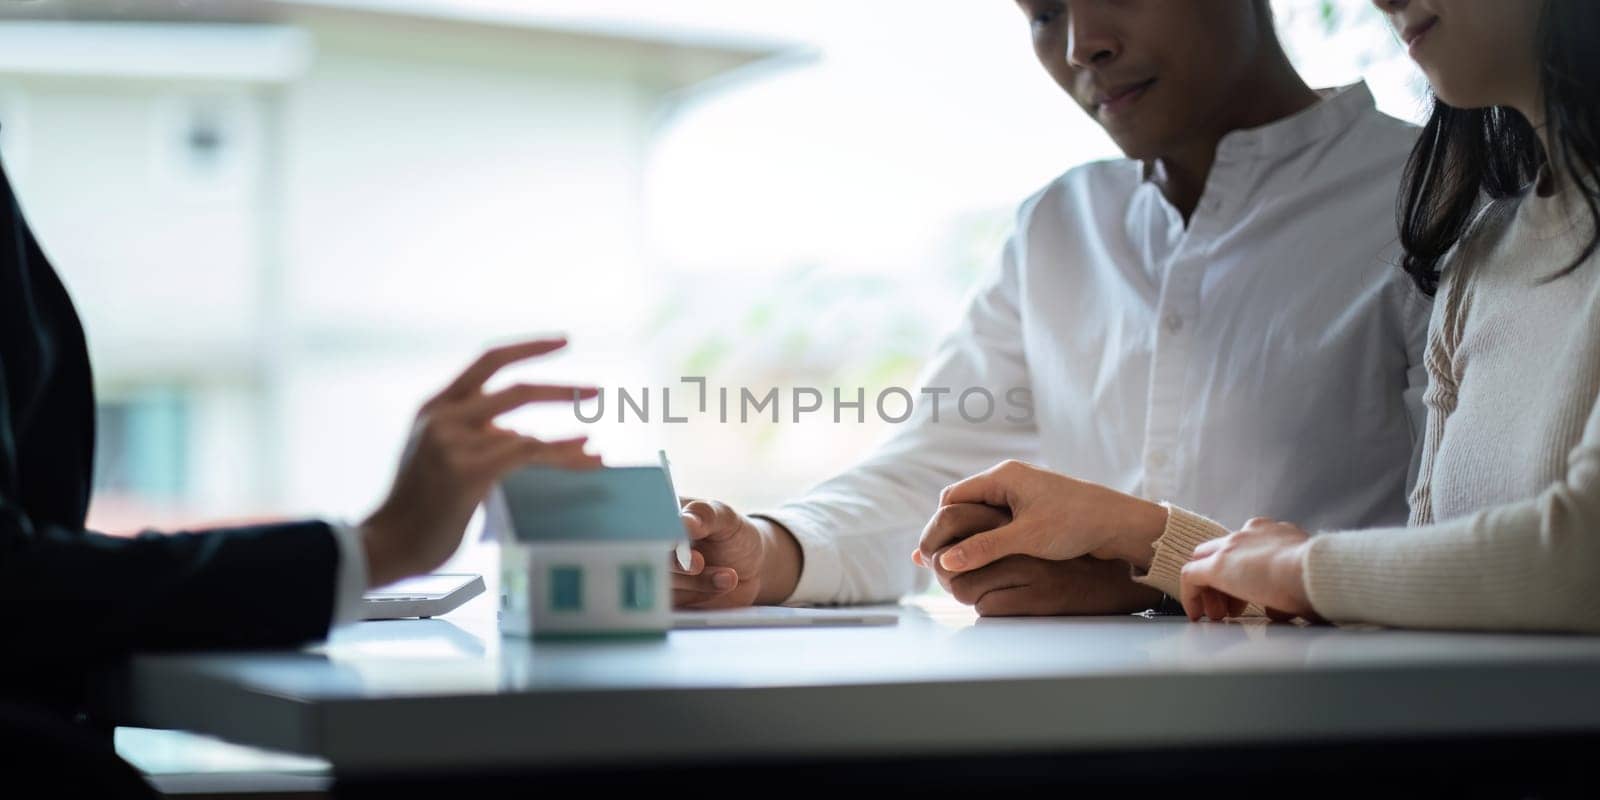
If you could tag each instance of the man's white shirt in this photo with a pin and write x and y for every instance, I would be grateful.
(1264, 360)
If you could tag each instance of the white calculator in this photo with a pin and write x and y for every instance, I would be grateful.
(423, 596)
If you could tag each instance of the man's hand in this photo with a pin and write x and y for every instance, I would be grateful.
(736, 560)
(1053, 517)
(1027, 586)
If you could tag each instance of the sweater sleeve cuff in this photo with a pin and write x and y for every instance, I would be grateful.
(821, 567)
(1184, 532)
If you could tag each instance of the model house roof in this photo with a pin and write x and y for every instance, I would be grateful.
(613, 504)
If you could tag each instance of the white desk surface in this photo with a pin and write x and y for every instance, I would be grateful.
(451, 693)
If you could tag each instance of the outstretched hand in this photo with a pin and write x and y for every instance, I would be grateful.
(455, 453)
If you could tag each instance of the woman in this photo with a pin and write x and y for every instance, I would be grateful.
(1505, 527)
(74, 600)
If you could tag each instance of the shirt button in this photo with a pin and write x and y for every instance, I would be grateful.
(1174, 322)
(1158, 459)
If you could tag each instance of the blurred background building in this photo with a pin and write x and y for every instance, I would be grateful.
(286, 221)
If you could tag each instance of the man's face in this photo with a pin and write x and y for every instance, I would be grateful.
(1153, 73)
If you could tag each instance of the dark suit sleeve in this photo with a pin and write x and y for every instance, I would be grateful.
(69, 597)
(75, 596)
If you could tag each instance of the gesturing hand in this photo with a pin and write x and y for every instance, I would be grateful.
(454, 455)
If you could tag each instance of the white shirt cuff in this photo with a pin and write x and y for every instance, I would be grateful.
(351, 582)
(821, 570)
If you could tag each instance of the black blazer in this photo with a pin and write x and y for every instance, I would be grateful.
(71, 599)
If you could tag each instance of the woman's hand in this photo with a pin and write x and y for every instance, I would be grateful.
(1053, 517)
(1263, 563)
(455, 454)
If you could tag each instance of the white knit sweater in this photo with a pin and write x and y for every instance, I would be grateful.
(1505, 520)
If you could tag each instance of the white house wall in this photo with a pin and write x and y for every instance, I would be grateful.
(445, 190)
(162, 262)
(601, 565)
(417, 191)
(427, 167)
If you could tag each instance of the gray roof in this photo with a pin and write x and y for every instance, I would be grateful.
(614, 504)
(517, 14)
(688, 55)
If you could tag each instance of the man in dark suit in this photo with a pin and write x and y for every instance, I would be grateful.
(72, 599)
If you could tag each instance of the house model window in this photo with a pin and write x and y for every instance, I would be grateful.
(566, 588)
(638, 587)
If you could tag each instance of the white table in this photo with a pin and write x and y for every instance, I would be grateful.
(450, 694)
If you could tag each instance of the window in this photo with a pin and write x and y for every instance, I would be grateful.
(638, 587)
(566, 588)
(143, 443)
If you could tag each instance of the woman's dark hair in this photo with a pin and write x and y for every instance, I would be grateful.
(1464, 155)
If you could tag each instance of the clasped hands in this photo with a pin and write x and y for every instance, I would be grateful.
(1017, 539)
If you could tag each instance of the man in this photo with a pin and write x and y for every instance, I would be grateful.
(1187, 320)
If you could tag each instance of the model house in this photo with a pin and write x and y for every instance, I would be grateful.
(586, 553)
